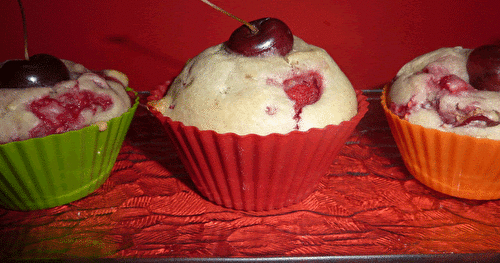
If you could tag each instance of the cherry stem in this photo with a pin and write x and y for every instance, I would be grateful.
(252, 27)
(25, 31)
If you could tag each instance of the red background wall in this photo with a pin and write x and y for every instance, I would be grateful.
(150, 39)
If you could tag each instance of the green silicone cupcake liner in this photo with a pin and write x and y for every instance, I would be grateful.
(57, 169)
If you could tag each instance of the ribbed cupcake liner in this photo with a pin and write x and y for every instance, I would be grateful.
(256, 173)
(457, 165)
(57, 169)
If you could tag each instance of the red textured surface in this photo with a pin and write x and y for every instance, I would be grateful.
(150, 40)
(367, 204)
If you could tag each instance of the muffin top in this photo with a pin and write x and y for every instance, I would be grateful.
(433, 90)
(230, 93)
(87, 98)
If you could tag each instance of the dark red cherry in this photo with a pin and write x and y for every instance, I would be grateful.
(273, 37)
(483, 66)
(39, 71)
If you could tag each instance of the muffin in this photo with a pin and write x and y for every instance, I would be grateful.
(446, 126)
(257, 132)
(59, 142)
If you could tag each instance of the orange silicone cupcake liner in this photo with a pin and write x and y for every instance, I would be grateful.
(457, 165)
(256, 173)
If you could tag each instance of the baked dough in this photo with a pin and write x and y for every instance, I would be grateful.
(18, 122)
(231, 93)
(433, 91)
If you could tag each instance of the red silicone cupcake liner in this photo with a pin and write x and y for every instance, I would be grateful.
(256, 173)
(457, 165)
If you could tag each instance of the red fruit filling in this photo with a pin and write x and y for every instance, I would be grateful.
(271, 110)
(468, 114)
(436, 70)
(449, 84)
(403, 110)
(454, 84)
(304, 89)
(480, 120)
(63, 113)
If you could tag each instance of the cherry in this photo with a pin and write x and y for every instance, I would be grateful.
(63, 113)
(483, 120)
(304, 89)
(272, 36)
(454, 84)
(483, 66)
(260, 37)
(39, 71)
(36, 71)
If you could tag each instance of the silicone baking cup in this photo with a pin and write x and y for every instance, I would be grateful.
(456, 165)
(256, 173)
(57, 169)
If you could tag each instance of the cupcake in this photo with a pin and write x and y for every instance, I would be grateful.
(444, 112)
(256, 125)
(61, 128)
